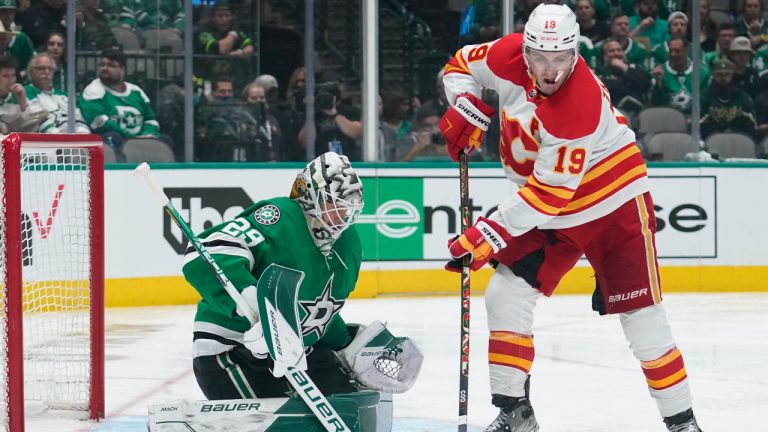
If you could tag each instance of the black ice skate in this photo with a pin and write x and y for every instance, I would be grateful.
(683, 422)
(516, 415)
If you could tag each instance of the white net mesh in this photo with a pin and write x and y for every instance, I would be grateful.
(55, 209)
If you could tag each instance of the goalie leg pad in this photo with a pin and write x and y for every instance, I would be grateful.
(362, 411)
(252, 415)
(380, 361)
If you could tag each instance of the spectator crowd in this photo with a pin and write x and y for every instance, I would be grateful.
(640, 49)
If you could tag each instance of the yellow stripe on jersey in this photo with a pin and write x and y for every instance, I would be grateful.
(451, 69)
(530, 197)
(607, 165)
(559, 192)
(460, 60)
(605, 190)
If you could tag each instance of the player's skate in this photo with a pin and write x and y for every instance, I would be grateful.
(683, 422)
(516, 415)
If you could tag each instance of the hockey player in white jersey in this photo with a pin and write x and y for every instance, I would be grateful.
(582, 190)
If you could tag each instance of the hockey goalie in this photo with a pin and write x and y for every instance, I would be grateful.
(296, 258)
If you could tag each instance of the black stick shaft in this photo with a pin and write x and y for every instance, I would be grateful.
(465, 291)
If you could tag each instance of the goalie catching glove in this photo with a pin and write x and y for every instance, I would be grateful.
(382, 362)
(480, 241)
(465, 123)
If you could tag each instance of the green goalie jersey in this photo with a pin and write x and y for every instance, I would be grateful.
(273, 231)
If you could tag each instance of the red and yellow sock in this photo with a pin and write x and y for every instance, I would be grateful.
(665, 371)
(511, 350)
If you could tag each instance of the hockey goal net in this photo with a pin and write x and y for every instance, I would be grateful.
(51, 275)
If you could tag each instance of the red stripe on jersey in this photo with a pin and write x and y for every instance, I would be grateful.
(546, 198)
(622, 153)
(543, 201)
(606, 178)
(536, 204)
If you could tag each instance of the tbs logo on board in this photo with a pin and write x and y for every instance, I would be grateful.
(202, 208)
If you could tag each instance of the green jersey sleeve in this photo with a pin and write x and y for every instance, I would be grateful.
(235, 246)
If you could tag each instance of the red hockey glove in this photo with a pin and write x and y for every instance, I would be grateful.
(482, 241)
(465, 123)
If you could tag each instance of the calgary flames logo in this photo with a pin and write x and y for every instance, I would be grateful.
(518, 148)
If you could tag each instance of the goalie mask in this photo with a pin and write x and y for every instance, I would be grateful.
(551, 45)
(331, 195)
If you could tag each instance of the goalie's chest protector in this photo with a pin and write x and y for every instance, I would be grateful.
(328, 280)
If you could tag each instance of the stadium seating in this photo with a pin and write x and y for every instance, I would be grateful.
(730, 145)
(763, 148)
(661, 119)
(147, 150)
(109, 154)
(670, 146)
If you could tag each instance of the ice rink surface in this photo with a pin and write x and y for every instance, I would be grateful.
(584, 377)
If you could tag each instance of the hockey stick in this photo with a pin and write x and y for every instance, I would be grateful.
(465, 291)
(298, 379)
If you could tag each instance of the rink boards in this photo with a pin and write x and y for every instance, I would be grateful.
(711, 234)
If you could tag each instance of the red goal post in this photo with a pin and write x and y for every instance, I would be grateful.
(51, 275)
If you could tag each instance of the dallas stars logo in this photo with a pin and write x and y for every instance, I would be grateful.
(319, 311)
(267, 215)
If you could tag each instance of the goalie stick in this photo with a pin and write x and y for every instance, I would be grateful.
(298, 379)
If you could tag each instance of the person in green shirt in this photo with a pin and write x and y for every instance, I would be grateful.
(10, 112)
(635, 53)
(752, 23)
(311, 231)
(760, 61)
(221, 36)
(647, 23)
(724, 106)
(745, 76)
(111, 105)
(51, 105)
(605, 9)
(677, 25)
(725, 35)
(674, 85)
(121, 13)
(13, 41)
(162, 14)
